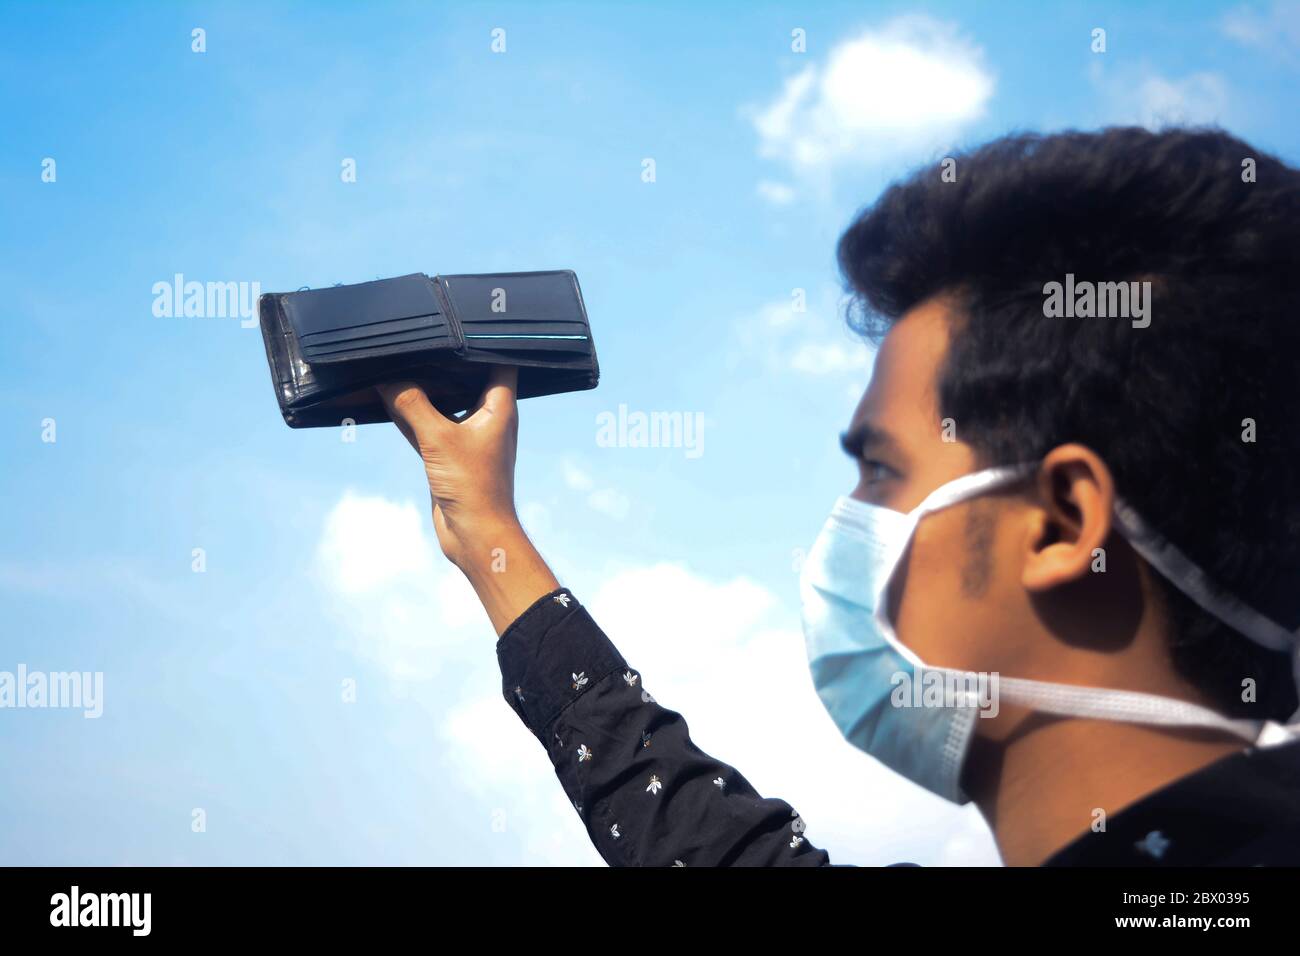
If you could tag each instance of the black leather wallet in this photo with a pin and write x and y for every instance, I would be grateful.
(328, 348)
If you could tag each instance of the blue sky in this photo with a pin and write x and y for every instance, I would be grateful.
(222, 688)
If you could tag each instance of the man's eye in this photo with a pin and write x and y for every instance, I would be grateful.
(873, 471)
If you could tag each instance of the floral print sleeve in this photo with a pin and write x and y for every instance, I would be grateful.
(646, 794)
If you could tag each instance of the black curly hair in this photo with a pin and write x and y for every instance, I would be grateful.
(1214, 224)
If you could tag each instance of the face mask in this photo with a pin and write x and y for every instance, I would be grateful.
(919, 720)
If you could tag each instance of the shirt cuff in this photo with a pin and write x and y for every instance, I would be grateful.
(550, 656)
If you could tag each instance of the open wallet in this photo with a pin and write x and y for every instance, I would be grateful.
(328, 348)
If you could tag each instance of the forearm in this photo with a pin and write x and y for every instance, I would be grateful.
(506, 572)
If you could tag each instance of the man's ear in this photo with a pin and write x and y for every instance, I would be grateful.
(1072, 519)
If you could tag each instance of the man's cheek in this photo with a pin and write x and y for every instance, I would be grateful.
(916, 601)
(934, 615)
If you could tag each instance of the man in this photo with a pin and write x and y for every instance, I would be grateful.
(1090, 518)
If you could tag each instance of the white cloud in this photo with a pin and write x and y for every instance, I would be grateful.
(611, 503)
(814, 342)
(1198, 98)
(575, 477)
(370, 541)
(911, 84)
(498, 762)
(779, 313)
(535, 517)
(606, 501)
(1150, 99)
(1275, 31)
(778, 194)
(402, 604)
(821, 358)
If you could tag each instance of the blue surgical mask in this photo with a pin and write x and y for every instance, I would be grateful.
(868, 679)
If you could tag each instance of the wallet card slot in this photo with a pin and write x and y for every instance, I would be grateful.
(532, 302)
(333, 308)
(338, 351)
(430, 325)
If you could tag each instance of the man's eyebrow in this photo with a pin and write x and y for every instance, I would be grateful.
(865, 435)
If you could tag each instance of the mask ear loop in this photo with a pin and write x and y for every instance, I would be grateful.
(1180, 571)
(1157, 550)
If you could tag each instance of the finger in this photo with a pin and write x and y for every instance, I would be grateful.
(402, 427)
(408, 405)
(499, 394)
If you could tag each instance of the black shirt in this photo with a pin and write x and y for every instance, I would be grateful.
(649, 797)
